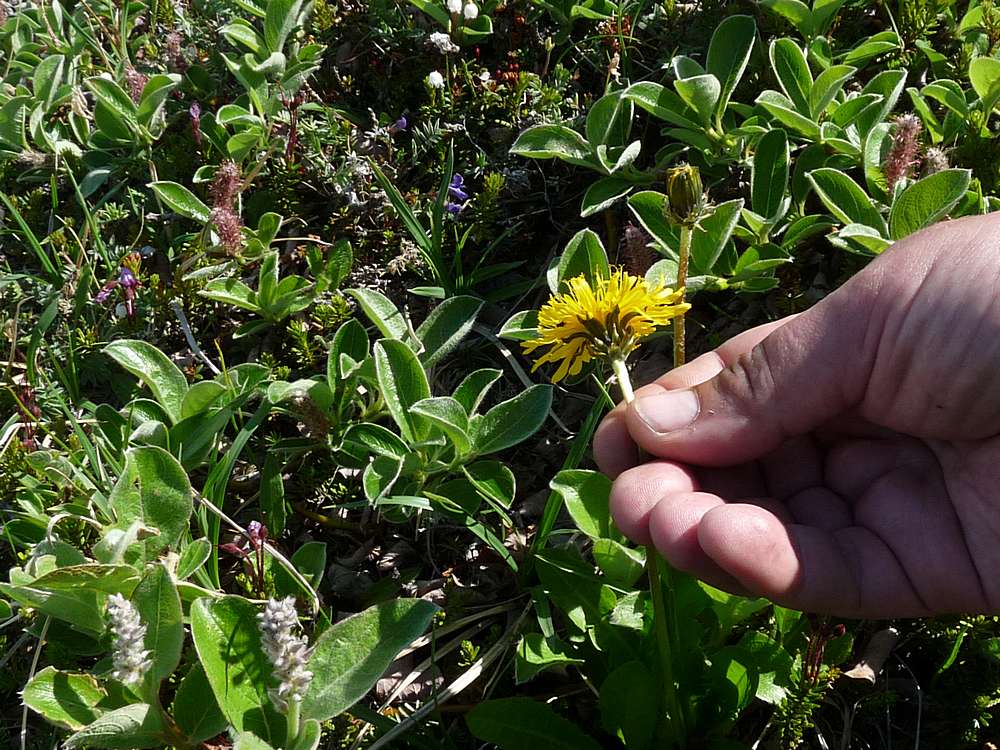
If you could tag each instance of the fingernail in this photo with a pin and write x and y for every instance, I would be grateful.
(669, 410)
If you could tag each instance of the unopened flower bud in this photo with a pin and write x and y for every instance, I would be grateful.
(471, 11)
(685, 196)
(454, 6)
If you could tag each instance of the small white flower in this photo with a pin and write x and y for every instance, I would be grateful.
(435, 80)
(443, 42)
(485, 76)
(288, 653)
(129, 634)
(471, 11)
(454, 6)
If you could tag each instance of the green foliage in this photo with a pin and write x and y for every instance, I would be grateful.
(255, 270)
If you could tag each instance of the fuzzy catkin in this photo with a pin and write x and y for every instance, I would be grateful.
(288, 653)
(131, 661)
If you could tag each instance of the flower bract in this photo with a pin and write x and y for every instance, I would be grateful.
(606, 319)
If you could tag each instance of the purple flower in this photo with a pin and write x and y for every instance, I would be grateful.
(195, 113)
(102, 296)
(127, 279)
(400, 125)
(453, 208)
(457, 188)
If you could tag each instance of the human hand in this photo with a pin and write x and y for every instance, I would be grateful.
(845, 460)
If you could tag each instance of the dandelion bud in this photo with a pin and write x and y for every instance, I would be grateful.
(685, 197)
(471, 11)
(288, 653)
(129, 634)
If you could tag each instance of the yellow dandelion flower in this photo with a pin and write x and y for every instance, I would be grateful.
(607, 320)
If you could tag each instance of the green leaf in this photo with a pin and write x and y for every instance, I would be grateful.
(272, 495)
(585, 494)
(648, 206)
(583, 255)
(794, 11)
(66, 699)
(181, 200)
(622, 565)
(159, 606)
(554, 142)
(792, 70)
(604, 193)
(926, 201)
(155, 490)
(382, 312)
(403, 383)
(781, 108)
(376, 439)
(242, 32)
(845, 199)
(521, 326)
(152, 367)
(728, 54)
(118, 103)
(446, 326)
(350, 340)
(449, 416)
(701, 93)
(827, 86)
(193, 557)
(510, 422)
(629, 699)
(661, 102)
(520, 723)
(352, 654)
(228, 643)
(984, 74)
(281, 17)
(536, 653)
(195, 709)
(711, 235)
(135, 726)
(471, 391)
(573, 587)
(769, 177)
(250, 741)
(609, 121)
(200, 396)
(231, 292)
(154, 94)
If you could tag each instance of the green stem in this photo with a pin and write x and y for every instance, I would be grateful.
(682, 272)
(675, 718)
(671, 709)
(624, 382)
(292, 720)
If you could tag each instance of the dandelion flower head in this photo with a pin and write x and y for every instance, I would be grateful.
(605, 320)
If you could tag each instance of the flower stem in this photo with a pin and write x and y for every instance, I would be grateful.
(624, 382)
(672, 711)
(292, 722)
(682, 272)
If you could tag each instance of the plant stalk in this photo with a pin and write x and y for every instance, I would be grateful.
(292, 721)
(682, 272)
(672, 710)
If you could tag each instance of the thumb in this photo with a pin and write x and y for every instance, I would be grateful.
(805, 372)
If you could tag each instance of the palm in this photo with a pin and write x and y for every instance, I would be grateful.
(887, 525)
(846, 461)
